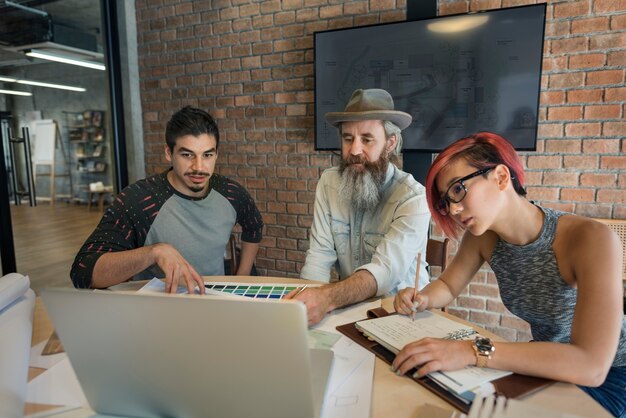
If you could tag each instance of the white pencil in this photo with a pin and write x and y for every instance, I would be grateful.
(417, 281)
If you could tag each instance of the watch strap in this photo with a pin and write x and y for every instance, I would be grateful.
(482, 357)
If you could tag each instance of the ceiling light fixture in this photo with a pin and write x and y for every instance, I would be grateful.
(64, 59)
(16, 93)
(41, 84)
(51, 85)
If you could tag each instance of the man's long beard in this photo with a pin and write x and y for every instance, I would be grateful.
(363, 189)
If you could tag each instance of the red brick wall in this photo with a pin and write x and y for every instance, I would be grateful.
(579, 165)
(250, 64)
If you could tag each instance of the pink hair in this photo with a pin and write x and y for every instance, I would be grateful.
(481, 150)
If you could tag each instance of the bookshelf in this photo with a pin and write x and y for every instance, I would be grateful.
(88, 151)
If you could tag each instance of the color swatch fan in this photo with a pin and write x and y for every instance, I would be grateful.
(257, 290)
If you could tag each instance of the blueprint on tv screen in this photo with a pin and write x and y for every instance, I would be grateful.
(453, 84)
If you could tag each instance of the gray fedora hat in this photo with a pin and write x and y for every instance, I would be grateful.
(370, 104)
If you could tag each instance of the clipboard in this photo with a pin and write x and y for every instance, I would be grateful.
(512, 386)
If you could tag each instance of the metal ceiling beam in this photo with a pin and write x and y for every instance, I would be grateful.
(26, 8)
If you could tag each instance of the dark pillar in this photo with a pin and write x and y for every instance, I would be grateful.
(417, 163)
(113, 60)
(7, 247)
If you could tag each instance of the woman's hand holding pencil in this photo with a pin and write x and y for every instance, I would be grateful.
(410, 300)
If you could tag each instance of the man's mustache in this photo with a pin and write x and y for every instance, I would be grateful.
(198, 173)
(354, 159)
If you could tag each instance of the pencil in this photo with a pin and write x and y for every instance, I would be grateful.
(417, 281)
(300, 290)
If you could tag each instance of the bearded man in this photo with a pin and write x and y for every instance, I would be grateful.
(370, 219)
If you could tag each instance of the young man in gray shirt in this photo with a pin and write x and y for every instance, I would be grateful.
(175, 224)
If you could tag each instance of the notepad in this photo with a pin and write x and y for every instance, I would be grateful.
(395, 331)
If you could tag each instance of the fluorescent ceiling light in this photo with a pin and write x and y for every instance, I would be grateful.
(16, 93)
(41, 84)
(458, 24)
(51, 85)
(64, 59)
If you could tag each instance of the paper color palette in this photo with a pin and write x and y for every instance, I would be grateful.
(257, 291)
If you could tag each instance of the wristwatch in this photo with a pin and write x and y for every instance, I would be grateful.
(484, 349)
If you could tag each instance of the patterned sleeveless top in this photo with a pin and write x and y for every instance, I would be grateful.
(532, 288)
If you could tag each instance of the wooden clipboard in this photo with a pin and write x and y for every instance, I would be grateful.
(511, 386)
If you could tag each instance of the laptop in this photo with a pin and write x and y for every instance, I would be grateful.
(159, 355)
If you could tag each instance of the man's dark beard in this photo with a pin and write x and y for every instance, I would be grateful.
(193, 187)
(363, 189)
(196, 189)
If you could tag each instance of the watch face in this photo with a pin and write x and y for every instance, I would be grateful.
(484, 345)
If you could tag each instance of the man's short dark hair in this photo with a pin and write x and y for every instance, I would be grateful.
(190, 121)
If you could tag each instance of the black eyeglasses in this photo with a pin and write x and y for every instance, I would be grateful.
(457, 191)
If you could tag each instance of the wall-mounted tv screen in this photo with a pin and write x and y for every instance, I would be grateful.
(455, 75)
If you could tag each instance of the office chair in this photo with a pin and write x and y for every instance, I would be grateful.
(437, 253)
(231, 259)
(437, 256)
(17, 303)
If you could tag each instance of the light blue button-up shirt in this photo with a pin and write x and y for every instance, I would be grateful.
(384, 241)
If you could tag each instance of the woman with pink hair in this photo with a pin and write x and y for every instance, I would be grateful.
(559, 272)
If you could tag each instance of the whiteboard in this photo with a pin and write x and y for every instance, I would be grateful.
(45, 135)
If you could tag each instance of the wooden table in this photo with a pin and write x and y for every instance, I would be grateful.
(392, 395)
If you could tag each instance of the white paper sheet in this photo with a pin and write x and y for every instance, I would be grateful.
(158, 286)
(349, 392)
(12, 287)
(43, 362)
(467, 379)
(345, 316)
(57, 386)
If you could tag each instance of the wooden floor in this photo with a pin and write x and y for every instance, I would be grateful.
(47, 239)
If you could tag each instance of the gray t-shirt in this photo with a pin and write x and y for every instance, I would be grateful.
(151, 211)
